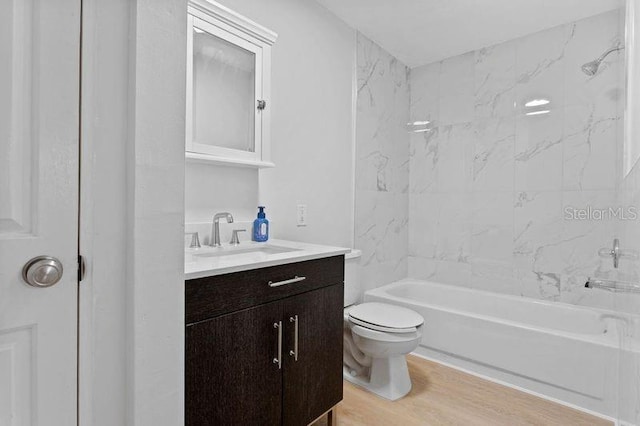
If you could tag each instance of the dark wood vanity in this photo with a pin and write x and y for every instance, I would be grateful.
(264, 346)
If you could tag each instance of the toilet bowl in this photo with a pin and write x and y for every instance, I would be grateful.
(377, 337)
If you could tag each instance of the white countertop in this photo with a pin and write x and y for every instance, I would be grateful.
(210, 261)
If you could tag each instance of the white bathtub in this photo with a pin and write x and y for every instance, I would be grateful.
(561, 351)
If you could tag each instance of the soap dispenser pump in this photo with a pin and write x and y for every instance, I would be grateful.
(261, 227)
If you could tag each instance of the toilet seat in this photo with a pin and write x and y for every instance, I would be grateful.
(385, 318)
(385, 336)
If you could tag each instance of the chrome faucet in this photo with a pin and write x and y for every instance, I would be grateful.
(215, 228)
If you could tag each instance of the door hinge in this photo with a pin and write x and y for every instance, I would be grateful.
(81, 268)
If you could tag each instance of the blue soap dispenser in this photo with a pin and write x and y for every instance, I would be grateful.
(261, 227)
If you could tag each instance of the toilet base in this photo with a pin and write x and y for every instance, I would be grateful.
(388, 378)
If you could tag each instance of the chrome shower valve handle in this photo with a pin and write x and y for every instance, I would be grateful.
(616, 253)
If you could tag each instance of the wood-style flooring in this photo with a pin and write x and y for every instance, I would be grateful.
(445, 396)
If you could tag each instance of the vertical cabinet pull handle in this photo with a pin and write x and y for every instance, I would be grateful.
(278, 359)
(294, 352)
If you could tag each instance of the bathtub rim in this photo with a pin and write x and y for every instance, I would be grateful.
(609, 338)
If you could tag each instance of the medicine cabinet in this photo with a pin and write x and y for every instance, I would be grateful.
(228, 87)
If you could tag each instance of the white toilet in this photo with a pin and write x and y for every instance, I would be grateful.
(377, 337)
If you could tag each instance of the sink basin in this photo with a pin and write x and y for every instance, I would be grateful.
(235, 251)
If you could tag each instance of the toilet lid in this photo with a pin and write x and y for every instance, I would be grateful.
(385, 317)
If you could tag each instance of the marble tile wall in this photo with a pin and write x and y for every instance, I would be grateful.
(382, 165)
(489, 185)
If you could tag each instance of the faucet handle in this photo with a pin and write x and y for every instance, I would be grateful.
(234, 236)
(616, 253)
(195, 240)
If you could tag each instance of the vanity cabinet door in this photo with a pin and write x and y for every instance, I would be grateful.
(231, 377)
(313, 383)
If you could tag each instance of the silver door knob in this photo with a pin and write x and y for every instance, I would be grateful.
(42, 271)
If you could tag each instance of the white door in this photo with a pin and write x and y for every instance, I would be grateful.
(39, 145)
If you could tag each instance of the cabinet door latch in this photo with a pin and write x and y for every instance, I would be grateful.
(262, 104)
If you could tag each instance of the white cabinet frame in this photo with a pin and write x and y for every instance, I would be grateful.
(226, 24)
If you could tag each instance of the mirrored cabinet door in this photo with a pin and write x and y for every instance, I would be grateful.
(226, 82)
(226, 93)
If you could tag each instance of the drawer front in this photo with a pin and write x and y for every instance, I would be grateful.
(221, 294)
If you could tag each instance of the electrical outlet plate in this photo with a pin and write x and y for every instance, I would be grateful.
(301, 215)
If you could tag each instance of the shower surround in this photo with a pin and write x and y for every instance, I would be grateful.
(497, 180)
(489, 187)
(382, 165)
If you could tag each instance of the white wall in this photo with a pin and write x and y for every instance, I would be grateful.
(155, 214)
(213, 189)
(132, 212)
(103, 326)
(312, 75)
